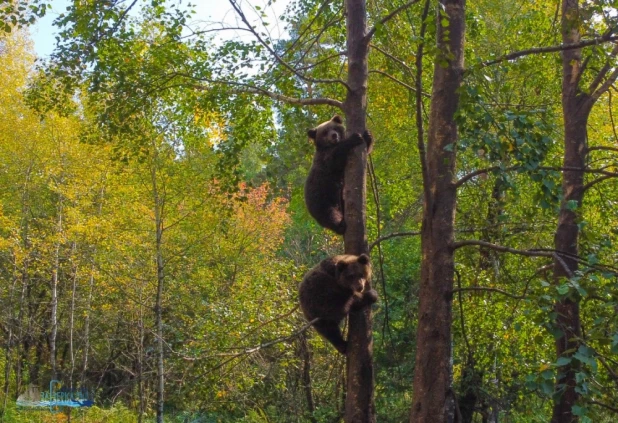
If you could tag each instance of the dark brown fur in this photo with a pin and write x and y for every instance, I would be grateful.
(324, 185)
(331, 290)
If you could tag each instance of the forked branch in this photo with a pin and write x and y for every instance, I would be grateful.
(388, 18)
(551, 49)
(276, 56)
(250, 89)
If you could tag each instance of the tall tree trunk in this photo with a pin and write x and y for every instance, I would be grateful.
(305, 356)
(576, 106)
(54, 296)
(433, 400)
(11, 324)
(20, 334)
(360, 406)
(72, 312)
(86, 349)
(488, 258)
(140, 361)
(25, 245)
(158, 209)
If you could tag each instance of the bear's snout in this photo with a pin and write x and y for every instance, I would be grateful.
(359, 286)
(334, 135)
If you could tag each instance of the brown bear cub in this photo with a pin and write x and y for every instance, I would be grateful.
(333, 288)
(324, 186)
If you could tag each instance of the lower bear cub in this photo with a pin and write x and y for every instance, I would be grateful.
(333, 288)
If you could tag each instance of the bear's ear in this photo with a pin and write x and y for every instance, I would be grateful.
(363, 259)
(337, 119)
(312, 133)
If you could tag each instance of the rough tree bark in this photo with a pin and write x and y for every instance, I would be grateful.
(91, 281)
(576, 106)
(54, 295)
(74, 273)
(359, 406)
(433, 400)
(158, 211)
(305, 356)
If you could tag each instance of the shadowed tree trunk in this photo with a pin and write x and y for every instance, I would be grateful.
(158, 211)
(576, 107)
(359, 406)
(577, 102)
(305, 356)
(433, 400)
(54, 295)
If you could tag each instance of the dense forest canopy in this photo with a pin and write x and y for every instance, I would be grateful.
(153, 230)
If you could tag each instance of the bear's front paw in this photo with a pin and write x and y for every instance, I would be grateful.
(356, 138)
(370, 296)
(368, 138)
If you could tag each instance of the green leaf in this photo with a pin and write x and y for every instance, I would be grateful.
(579, 410)
(563, 361)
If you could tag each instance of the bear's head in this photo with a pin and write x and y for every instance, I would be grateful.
(353, 272)
(328, 133)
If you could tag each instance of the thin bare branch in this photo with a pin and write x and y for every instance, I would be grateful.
(604, 148)
(502, 249)
(418, 100)
(326, 59)
(392, 78)
(551, 49)
(609, 407)
(316, 39)
(483, 288)
(393, 58)
(476, 173)
(276, 56)
(611, 118)
(603, 72)
(579, 169)
(250, 89)
(596, 181)
(304, 31)
(274, 319)
(251, 350)
(563, 264)
(461, 312)
(388, 18)
(606, 85)
(393, 235)
(611, 371)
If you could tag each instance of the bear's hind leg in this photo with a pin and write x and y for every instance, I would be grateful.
(336, 222)
(329, 329)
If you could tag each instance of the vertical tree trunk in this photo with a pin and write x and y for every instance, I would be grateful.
(158, 209)
(25, 245)
(11, 324)
(576, 106)
(140, 363)
(20, 333)
(54, 296)
(360, 406)
(72, 313)
(86, 349)
(433, 400)
(305, 356)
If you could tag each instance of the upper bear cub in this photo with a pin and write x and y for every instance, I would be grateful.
(324, 186)
(332, 289)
